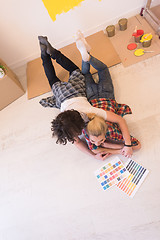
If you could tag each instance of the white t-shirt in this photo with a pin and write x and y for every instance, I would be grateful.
(82, 105)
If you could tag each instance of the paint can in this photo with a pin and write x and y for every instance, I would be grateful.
(122, 24)
(110, 30)
(146, 40)
(138, 35)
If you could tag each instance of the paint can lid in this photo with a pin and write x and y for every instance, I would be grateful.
(131, 46)
(146, 37)
(138, 33)
(139, 52)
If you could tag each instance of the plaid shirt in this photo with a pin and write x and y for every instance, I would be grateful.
(113, 131)
(75, 87)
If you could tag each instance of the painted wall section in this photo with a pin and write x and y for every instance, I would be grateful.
(55, 7)
(23, 21)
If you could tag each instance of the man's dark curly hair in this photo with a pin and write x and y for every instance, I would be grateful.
(67, 126)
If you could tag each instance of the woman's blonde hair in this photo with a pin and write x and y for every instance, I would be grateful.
(96, 126)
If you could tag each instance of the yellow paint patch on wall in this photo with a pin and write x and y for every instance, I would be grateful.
(55, 7)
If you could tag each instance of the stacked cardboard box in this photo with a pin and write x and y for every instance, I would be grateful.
(10, 87)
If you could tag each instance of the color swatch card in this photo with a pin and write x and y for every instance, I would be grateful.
(111, 173)
(131, 184)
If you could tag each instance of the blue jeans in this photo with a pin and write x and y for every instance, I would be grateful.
(104, 88)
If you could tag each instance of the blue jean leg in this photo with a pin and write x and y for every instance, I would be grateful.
(91, 86)
(104, 88)
(105, 85)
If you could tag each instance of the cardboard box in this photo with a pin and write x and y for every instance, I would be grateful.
(10, 87)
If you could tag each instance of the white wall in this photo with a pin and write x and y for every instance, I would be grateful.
(154, 3)
(22, 21)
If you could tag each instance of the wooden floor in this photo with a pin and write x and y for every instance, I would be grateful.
(49, 191)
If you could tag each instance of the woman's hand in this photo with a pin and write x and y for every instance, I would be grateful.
(127, 151)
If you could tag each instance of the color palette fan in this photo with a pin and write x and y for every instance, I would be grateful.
(111, 173)
(137, 174)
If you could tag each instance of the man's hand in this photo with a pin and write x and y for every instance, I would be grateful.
(102, 156)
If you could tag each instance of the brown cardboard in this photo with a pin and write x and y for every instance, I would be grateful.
(156, 11)
(102, 49)
(10, 87)
(122, 38)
